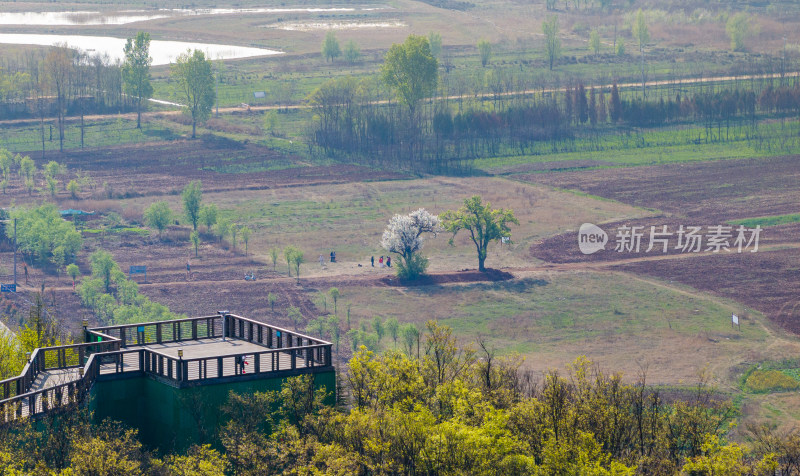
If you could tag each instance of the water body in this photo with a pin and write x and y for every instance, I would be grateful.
(162, 52)
(76, 18)
(132, 16)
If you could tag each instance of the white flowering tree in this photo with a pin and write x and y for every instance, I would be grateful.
(403, 235)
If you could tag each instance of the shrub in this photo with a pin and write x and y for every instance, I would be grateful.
(74, 189)
(763, 381)
(158, 216)
(413, 268)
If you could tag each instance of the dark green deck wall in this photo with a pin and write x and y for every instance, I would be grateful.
(170, 418)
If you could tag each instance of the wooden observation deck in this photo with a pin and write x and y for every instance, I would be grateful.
(224, 348)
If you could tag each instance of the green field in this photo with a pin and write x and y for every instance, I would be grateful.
(97, 133)
(656, 146)
(773, 220)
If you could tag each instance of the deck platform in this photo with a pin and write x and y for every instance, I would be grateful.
(181, 353)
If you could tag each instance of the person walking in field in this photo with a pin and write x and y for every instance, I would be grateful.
(188, 271)
(380, 262)
(389, 261)
(321, 261)
(25, 267)
(372, 261)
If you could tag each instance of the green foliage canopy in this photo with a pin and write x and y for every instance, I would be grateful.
(411, 70)
(552, 40)
(193, 72)
(44, 235)
(330, 47)
(192, 195)
(136, 71)
(158, 215)
(483, 223)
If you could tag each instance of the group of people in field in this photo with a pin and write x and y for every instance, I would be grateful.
(387, 262)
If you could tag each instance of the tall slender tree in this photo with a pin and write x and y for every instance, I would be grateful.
(193, 72)
(192, 195)
(642, 35)
(330, 47)
(58, 65)
(136, 71)
(552, 40)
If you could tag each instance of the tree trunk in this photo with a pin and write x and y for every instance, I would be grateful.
(194, 128)
(139, 113)
(60, 132)
(481, 260)
(42, 124)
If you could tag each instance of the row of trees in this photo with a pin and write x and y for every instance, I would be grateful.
(60, 81)
(66, 81)
(24, 168)
(332, 50)
(441, 135)
(159, 216)
(446, 409)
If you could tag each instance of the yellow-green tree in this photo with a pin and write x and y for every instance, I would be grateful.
(196, 81)
(485, 50)
(136, 71)
(552, 40)
(411, 70)
(483, 223)
(739, 29)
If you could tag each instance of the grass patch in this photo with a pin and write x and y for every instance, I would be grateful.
(131, 230)
(26, 137)
(247, 168)
(657, 146)
(772, 220)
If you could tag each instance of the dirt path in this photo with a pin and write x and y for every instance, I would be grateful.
(440, 277)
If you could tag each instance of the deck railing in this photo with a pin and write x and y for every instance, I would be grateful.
(229, 325)
(107, 355)
(162, 332)
(52, 358)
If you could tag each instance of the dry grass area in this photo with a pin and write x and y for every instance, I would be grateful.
(682, 25)
(622, 322)
(350, 218)
(780, 409)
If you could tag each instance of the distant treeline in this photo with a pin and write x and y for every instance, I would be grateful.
(37, 83)
(444, 136)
